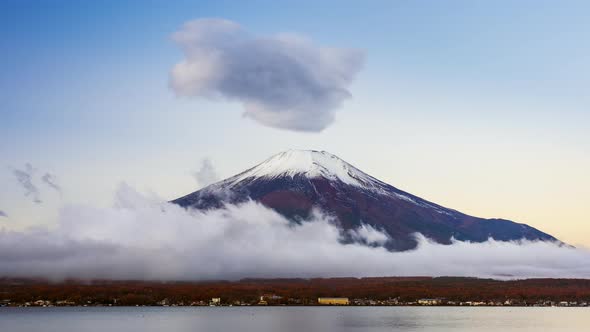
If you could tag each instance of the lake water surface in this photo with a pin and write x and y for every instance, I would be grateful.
(306, 319)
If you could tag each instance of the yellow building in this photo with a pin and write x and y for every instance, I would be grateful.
(333, 300)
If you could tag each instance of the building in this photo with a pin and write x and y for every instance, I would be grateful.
(333, 300)
(269, 298)
(429, 301)
(215, 301)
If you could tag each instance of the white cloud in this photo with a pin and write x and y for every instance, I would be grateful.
(206, 174)
(369, 235)
(283, 81)
(143, 238)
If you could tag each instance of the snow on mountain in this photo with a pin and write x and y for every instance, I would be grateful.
(319, 164)
(311, 164)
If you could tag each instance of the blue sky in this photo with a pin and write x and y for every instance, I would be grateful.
(478, 105)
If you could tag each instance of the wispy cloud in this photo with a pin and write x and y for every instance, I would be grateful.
(50, 180)
(25, 179)
(250, 240)
(283, 81)
(206, 173)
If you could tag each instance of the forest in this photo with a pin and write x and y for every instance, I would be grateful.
(291, 291)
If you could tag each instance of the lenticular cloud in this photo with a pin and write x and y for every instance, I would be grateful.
(283, 81)
(141, 238)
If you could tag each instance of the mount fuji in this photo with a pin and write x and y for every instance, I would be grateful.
(296, 182)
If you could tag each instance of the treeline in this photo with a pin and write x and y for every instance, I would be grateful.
(305, 290)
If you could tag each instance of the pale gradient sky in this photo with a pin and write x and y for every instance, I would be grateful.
(480, 106)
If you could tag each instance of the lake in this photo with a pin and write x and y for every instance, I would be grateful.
(307, 319)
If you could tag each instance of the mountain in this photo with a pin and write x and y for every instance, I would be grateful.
(294, 182)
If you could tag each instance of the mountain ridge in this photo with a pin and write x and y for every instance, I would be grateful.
(294, 182)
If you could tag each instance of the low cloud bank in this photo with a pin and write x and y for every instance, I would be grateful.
(283, 81)
(144, 239)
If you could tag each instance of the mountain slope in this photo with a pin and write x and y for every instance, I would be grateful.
(294, 182)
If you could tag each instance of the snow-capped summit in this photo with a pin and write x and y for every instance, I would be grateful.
(311, 164)
(295, 182)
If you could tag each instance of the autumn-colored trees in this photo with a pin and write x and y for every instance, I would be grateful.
(287, 290)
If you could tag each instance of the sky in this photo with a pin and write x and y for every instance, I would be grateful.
(481, 106)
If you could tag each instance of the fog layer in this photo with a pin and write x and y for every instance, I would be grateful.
(140, 238)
